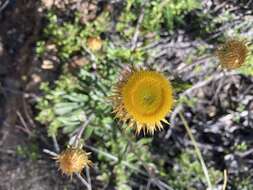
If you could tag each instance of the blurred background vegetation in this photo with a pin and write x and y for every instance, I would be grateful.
(78, 54)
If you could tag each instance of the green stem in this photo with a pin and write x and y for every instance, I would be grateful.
(197, 150)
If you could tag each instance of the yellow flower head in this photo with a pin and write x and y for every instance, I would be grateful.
(233, 54)
(142, 99)
(73, 160)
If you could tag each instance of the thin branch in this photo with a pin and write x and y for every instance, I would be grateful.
(86, 184)
(5, 134)
(87, 170)
(245, 154)
(149, 184)
(92, 56)
(27, 114)
(4, 5)
(51, 153)
(198, 85)
(26, 128)
(56, 145)
(81, 130)
(205, 82)
(137, 29)
(161, 183)
(116, 159)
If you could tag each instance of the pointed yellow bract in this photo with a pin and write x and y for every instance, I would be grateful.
(233, 54)
(142, 99)
(73, 160)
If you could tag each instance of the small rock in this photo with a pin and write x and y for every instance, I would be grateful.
(47, 64)
(48, 3)
(51, 47)
(36, 78)
(87, 11)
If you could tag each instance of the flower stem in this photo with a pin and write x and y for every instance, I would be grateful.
(225, 180)
(197, 150)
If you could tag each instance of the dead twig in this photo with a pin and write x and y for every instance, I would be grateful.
(245, 154)
(83, 181)
(87, 170)
(4, 5)
(187, 67)
(27, 114)
(137, 29)
(81, 130)
(56, 145)
(164, 185)
(51, 153)
(4, 136)
(8, 151)
(149, 184)
(25, 126)
(198, 85)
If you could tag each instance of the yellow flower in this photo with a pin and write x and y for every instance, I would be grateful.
(233, 53)
(142, 99)
(73, 160)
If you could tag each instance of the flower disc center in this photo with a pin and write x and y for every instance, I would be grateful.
(147, 96)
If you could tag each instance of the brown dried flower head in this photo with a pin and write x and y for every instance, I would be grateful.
(233, 53)
(73, 160)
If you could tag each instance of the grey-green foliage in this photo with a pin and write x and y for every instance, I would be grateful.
(70, 36)
(168, 12)
(244, 184)
(65, 107)
(73, 99)
(131, 154)
(75, 96)
(30, 151)
(188, 171)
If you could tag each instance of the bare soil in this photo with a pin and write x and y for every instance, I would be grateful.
(20, 26)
